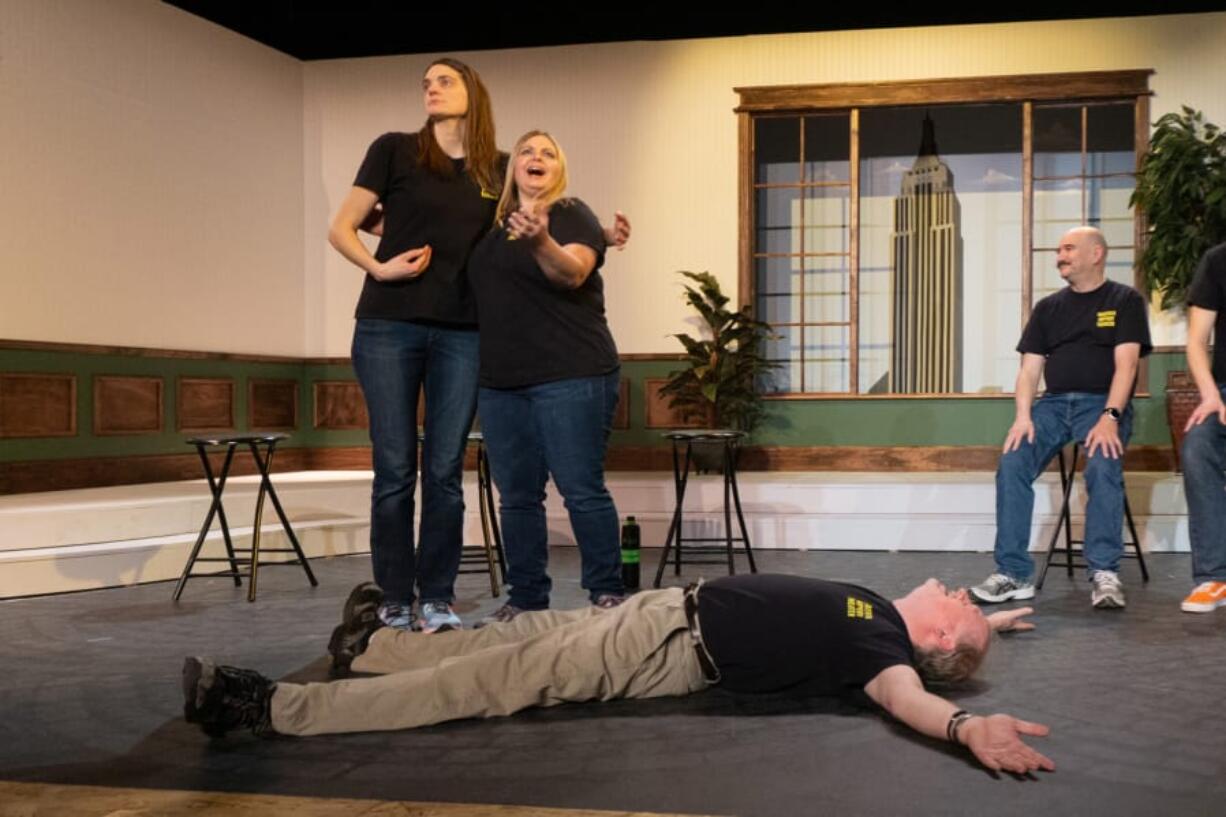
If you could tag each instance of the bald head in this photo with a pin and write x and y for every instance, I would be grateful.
(1081, 258)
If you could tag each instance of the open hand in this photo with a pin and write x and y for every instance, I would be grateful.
(996, 742)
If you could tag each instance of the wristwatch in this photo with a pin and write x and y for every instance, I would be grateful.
(1113, 413)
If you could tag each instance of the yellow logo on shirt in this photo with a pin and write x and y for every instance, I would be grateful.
(1106, 319)
(858, 608)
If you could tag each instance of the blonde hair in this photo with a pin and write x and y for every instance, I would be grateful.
(508, 202)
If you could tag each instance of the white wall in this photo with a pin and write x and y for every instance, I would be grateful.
(151, 169)
(649, 129)
(168, 183)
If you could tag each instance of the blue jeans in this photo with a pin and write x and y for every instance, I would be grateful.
(558, 429)
(393, 361)
(1058, 420)
(1204, 484)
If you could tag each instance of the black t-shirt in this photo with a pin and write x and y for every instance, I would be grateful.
(1078, 331)
(769, 633)
(533, 330)
(450, 214)
(1208, 291)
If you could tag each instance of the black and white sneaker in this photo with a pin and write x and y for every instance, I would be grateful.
(221, 698)
(998, 587)
(359, 620)
(1108, 593)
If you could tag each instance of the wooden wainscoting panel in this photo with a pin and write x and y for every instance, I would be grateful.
(657, 412)
(54, 475)
(38, 405)
(339, 405)
(128, 404)
(900, 458)
(272, 405)
(204, 404)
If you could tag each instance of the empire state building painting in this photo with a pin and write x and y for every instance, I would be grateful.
(926, 260)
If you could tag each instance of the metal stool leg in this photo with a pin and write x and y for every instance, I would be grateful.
(487, 532)
(1136, 540)
(485, 487)
(740, 516)
(221, 516)
(674, 526)
(728, 506)
(255, 531)
(679, 537)
(1062, 521)
(266, 480)
(1068, 511)
(216, 487)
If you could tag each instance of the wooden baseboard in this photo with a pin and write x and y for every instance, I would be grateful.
(867, 458)
(96, 472)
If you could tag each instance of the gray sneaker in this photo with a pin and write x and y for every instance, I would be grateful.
(438, 617)
(501, 616)
(1108, 593)
(398, 616)
(998, 587)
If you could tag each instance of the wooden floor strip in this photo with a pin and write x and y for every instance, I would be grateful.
(39, 799)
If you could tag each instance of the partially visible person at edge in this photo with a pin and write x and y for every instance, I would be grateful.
(1203, 454)
(549, 375)
(430, 195)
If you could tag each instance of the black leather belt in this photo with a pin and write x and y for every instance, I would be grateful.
(709, 670)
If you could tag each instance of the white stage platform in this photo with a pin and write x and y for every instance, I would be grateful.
(106, 537)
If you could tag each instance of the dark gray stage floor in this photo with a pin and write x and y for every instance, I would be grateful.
(89, 694)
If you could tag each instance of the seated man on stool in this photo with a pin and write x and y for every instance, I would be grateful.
(1204, 447)
(747, 633)
(1087, 339)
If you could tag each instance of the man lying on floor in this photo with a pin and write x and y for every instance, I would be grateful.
(754, 633)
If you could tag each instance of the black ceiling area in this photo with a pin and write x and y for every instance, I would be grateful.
(369, 28)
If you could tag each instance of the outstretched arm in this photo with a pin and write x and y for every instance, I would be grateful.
(995, 740)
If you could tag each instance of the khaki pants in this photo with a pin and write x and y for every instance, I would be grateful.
(640, 649)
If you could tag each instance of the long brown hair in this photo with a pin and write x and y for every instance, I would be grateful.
(509, 200)
(480, 150)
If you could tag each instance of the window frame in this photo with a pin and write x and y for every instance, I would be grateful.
(850, 98)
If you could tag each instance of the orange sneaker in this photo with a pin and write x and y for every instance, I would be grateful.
(1206, 598)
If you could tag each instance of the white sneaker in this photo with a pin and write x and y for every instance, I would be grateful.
(998, 587)
(1108, 592)
(438, 617)
(397, 616)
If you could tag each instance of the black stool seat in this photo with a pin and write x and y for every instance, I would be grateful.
(729, 441)
(1069, 550)
(262, 447)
